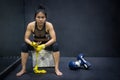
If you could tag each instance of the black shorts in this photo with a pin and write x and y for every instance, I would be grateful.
(26, 47)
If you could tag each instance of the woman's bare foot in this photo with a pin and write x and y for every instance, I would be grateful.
(58, 73)
(20, 73)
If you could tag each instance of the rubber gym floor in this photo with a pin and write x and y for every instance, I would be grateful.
(103, 68)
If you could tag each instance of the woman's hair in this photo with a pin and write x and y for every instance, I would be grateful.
(40, 8)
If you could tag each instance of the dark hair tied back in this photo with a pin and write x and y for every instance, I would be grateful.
(41, 8)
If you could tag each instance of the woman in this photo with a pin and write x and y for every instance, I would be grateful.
(43, 34)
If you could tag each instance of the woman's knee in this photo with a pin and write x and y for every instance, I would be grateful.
(26, 48)
(55, 47)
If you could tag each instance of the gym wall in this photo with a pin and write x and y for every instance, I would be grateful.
(12, 27)
(88, 26)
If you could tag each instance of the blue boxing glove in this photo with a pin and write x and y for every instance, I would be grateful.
(85, 63)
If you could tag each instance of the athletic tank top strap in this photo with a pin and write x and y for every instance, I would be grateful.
(40, 35)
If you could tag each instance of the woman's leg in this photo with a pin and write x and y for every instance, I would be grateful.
(56, 56)
(24, 57)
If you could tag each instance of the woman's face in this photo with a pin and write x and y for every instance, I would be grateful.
(40, 18)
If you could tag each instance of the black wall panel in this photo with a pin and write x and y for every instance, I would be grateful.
(11, 27)
(88, 26)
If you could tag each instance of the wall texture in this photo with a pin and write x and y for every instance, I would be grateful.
(11, 27)
(88, 26)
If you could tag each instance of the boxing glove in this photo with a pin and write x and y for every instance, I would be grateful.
(73, 65)
(85, 63)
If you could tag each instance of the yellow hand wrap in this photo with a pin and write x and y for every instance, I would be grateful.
(40, 47)
(35, 69)
(34, 44)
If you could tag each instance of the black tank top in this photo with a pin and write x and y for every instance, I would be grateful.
(41, 35)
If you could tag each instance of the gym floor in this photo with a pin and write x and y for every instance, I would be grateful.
(103, 68)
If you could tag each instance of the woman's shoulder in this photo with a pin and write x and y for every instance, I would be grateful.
(31, 23)
(48, 24)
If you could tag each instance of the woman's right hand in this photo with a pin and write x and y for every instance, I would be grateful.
(34, 44)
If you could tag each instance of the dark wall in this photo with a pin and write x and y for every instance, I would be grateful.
(88, 26)
(11, 27)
